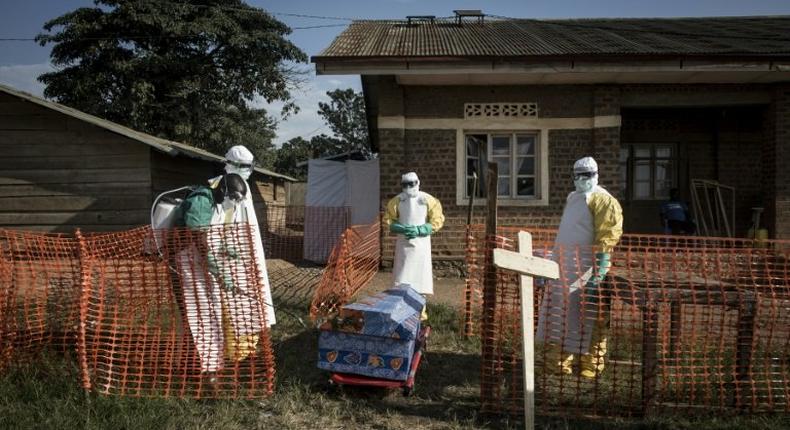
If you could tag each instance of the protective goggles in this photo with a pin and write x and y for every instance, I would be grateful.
(583, 175)
(240, 165)
(408, 184)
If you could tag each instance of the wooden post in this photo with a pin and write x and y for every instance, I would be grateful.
(528, 327)
(649, 352)
(675, 327)
(528, 266)
(489, 289)
(470, 209)
(468, 312)
(744, 391)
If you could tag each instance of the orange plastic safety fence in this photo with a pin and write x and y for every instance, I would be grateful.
(680, 324)
(39, 293)
(353, 263)
(181, 313)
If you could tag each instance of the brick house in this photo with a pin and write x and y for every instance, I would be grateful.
(657, 102)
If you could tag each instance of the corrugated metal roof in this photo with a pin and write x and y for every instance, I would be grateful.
(167, 146)
(718, 36)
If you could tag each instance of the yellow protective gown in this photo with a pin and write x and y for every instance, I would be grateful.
(413, 264)
(591, 222)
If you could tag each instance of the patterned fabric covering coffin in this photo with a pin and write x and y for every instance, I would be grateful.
(374, 336)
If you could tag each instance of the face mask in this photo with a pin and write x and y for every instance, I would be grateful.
(243, 171)
(411, 191)
(583, 185)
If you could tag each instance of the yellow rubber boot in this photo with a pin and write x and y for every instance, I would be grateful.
(556, 360)
(424, 314)
(592, 364)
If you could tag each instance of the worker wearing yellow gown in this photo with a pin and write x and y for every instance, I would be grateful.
(570, 320)
(413, 215)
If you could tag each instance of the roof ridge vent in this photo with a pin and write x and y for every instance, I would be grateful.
(412, 19)
(475, 14)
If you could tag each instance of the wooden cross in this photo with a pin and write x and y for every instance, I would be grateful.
(528, 266)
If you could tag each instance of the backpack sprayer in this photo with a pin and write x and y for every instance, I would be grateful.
(163, 217)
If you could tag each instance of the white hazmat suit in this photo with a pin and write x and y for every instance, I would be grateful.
(590, 227)
(223, 312)
(413, 215)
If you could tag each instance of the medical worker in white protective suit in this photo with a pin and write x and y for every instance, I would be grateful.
(224, 312)
(414, 215)
(571, 321)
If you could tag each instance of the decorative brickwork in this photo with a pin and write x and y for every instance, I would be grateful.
(500, 110)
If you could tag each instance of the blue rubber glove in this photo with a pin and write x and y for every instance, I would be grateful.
(603, 261)
(424, 230)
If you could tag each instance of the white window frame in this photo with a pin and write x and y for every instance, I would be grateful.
(652, 162)
(541, 175)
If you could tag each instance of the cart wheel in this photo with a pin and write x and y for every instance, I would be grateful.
(407, 391)
(333, 388)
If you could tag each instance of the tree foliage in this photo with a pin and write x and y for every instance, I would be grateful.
(184, 70)
(298, 150)
(345, 115)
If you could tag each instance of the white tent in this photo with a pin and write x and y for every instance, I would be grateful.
(338, 184)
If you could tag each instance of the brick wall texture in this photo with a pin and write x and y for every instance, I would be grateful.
(729, 145)
(781, 160)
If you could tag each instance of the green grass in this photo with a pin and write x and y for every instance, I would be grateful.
(44, 393)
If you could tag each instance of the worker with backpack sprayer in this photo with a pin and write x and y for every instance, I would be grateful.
(223, 310)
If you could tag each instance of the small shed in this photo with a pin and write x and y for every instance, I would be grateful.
(339, 194)
(63, 169)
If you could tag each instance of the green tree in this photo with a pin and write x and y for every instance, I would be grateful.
(184, 70)
(298, 150)
(289, 155)
(345, 115)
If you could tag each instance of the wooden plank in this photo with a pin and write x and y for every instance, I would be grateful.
(32, 122)
(62, 146)
(73, 203)
(65, 176)
(93, 161)
(528, 327)
(168, 172)
(98, 189)
(526, 264)
(8, 98)
(20, 107)
(130, 217)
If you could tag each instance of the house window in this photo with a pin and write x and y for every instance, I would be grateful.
(653, 171)
(517, 157)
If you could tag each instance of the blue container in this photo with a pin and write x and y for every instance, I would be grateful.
(374, 336)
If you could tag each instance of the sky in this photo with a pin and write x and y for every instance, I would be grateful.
(22, 61)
